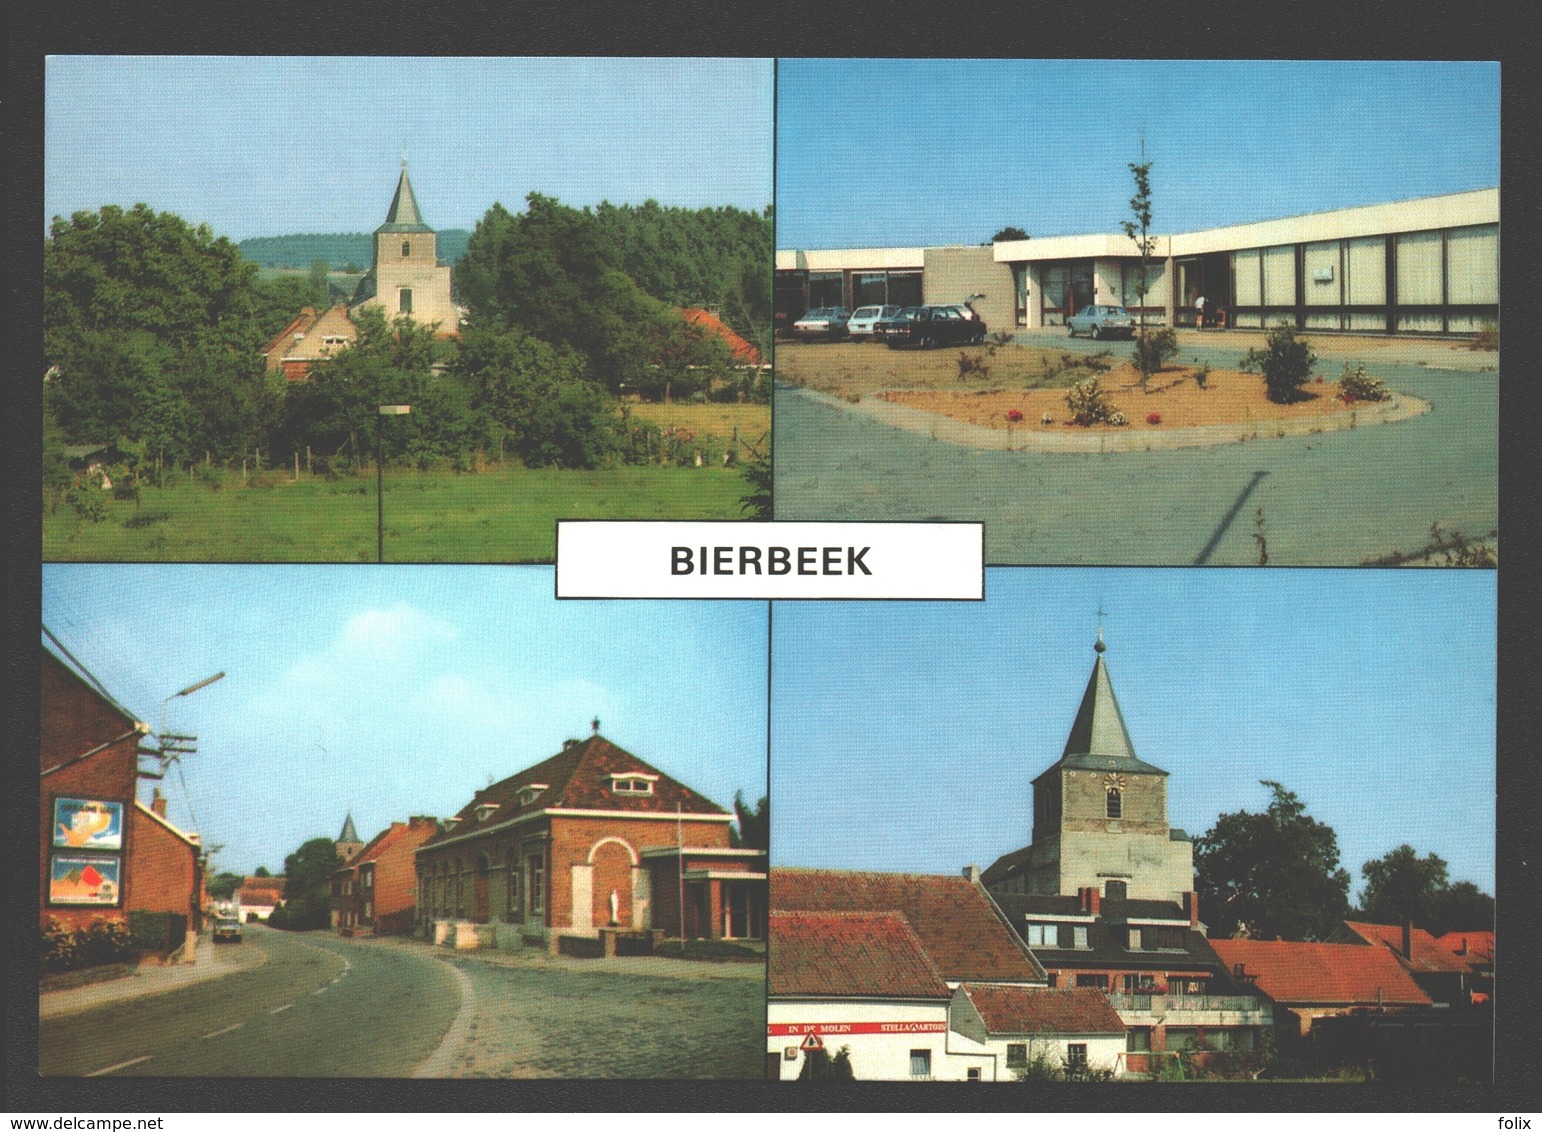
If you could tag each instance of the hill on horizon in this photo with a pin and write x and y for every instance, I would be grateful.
(342, 250)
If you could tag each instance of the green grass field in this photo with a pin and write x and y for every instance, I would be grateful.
(503, 515)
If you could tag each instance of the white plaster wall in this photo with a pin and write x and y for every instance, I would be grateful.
(874, 1057)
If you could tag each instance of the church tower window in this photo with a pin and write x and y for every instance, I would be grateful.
(1115, 802)
(406, 248)
(405, 300)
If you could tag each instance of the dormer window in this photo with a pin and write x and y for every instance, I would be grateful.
(451, 823)
(485, 810)
(632, 783)
(530, 793)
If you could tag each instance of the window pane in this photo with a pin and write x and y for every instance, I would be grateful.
(1418, 268)
(1472, 265)
(1245, 273)
(1365, 271)
(1280, 276)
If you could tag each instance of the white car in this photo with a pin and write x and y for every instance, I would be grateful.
(822, 322)
(860, 325)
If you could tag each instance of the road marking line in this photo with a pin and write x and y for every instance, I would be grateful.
(281, 1009)
(120, 1065)
(226, 1030)
(319, 990)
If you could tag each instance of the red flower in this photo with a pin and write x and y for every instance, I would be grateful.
(1014, 415)
(1153, 418)
(1319, 379)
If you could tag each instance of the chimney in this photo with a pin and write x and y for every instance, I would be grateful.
(158, 803)
(972, 874)
(1191, 904)
(1091, 899)
(1407, 939)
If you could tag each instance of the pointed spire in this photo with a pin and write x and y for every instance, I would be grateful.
(349, 833)
(403, 215)
(1099, 739)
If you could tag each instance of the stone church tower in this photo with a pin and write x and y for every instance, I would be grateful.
(406, 277)
(1099, 816)
(348, 842)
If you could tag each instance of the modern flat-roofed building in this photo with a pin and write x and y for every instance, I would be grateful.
(1424, 266)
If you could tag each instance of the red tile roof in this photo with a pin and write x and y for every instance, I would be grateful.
(849, 955)
(1427, 955)
(1473, 947)
(955, 920)
(1327, 974)
(579, 777)
(261, 890)
(1027, 1010)
(741, 349)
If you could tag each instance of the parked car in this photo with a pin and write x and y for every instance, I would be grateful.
(864, 319)
(227, 929)
(1099, 321)
(932, 326)
(822, 322)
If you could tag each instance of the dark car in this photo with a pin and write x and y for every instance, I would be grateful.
(1102, 321)
(227, 929)
(931, 326)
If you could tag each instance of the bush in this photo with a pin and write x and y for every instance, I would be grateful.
(1487, 338)
(1286, 362)
(1154, 347)
(1089, 404)
(1357, 386)
(156, 931)
(86, 498)
(105, 941)
(972, 364)
(1201, 374)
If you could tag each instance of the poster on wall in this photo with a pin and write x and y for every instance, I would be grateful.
(85, 880)
(88, 823)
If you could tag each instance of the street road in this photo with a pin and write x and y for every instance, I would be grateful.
(319, 1006)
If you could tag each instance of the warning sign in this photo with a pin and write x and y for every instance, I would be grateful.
(812, 1042)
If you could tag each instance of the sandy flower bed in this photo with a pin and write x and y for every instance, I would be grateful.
(1175, 400)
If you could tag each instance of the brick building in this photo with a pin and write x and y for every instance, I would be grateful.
(103, 853)
(256, 897)
(374, 892)
(590, 841)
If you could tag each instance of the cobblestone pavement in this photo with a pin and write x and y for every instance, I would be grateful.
(526, 1014)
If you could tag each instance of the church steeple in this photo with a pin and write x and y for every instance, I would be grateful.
(349, 833)
(403, 215)
(1099, 739)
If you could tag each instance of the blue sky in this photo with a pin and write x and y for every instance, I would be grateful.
(905, 735)
(402, 690)
(897, 153)
(265, 146)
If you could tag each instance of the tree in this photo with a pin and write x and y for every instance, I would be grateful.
(1010, 232)
(818, 1065)
(1402, 887)
(1276, 872)
(151, 328)
(222, 886)
(753, 826)
(1461, 908)
(1140, 211)
(316, 285)
(262, 871)
(308, 885)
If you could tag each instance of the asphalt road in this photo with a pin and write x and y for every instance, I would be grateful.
(319, 1006)
(1334, 499)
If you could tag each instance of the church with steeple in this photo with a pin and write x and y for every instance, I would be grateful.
(405, 278)
(1099, 815)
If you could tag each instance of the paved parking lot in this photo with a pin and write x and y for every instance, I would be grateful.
(1336, 499)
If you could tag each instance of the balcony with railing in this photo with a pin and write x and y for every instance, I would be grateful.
(1146, 1009)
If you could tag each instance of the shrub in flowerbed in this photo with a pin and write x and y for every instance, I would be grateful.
(1014, 415)
(1286, 362)
(1357, 386)
(1089, 405)
(1153, 418)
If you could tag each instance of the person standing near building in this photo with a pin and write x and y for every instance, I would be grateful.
(1199, 312)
